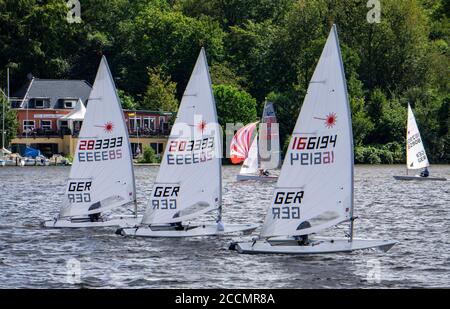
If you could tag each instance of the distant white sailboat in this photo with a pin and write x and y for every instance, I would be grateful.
(416, 157)
(102, 175)
(315, 189)
(257, 164)
(189, 182)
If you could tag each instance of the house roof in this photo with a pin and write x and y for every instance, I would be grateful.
(54, 89)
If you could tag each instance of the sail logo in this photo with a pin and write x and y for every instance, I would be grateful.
(312, 148)
(330, 120)
(286, 204)
(108, 127)
(202, 126)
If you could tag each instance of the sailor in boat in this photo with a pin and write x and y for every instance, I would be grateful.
(303, 240)
(425, 173)
(263, 172)
(95, 217)
(178, 226)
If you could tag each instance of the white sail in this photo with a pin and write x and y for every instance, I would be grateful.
(315, 187)
(250, 165)
(415, 152)
(269, 139)
(189, 179)
(101, 176)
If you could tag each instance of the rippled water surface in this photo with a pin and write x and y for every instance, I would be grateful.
(414, 213)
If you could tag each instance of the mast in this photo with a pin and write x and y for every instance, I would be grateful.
(350, 232)
(219, 142)
(406, 144)
(126, 132)
(4, 109)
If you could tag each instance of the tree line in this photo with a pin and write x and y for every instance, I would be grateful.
(257, 50)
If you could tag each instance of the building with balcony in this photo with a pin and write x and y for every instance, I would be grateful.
(50, 114)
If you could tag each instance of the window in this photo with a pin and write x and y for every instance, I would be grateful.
(70, 103)
(149, 123)
(46, 124)
(157, 147)
(39, 103)
(161, 121)
(135, 123)
(28, 125)
(64, 124)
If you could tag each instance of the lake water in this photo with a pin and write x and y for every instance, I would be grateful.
(416, 214)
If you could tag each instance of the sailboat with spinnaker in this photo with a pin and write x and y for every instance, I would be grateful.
(260, 154)
(102, 176)
(189, 181)
(314, 191)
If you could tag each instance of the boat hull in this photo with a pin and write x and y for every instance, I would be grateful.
(317, 246)
(256, 178)
(419, 178)
(206, 229)
(116, 221)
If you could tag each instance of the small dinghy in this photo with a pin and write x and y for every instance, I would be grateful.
(102, 176)
(189, 182)
(416, 157)
(262, 156)
(315, 189)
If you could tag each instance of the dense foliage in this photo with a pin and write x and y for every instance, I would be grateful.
(263, 48)
(148, 155)
(11, 123)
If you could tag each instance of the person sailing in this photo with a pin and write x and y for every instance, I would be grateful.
(263, 172)
(425, 173)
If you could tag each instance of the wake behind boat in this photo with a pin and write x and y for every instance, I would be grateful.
(189, 182)
(416, 157)
(315, 189)
(101, 177)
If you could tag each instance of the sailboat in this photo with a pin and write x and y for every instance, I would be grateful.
(102, 176)
(314, 191)
(189, 182)
(257, 163)
(416, 157)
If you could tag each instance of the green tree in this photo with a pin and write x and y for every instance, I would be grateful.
(148, 155)
(127, 101)
(234, 105)
(11, 123)
(160, 95)
(169, 40)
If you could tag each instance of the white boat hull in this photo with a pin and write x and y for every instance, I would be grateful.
(115, 221)
(206, 229)
(419, 178)
(241, 177)
(317, 246)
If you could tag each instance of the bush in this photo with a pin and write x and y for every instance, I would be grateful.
(148, 156)
(379, 154)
